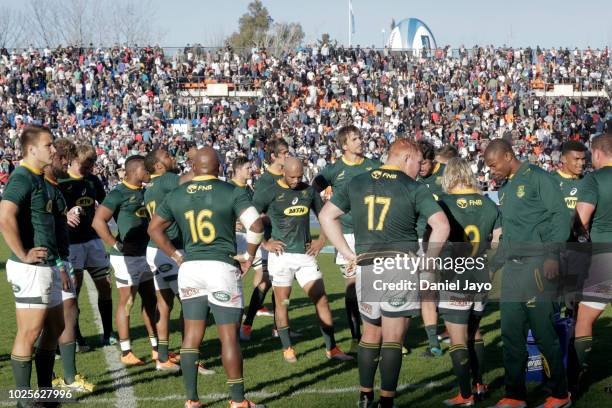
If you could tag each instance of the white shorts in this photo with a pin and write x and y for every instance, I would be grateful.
(350, 240)
(375, 303)
(130, 270)
(283, 268)
(219, 281)
(597, 287)
(164, 269)
(90, 254)
(34, 286)
(241, 247)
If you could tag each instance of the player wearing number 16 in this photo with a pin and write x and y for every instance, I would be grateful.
(206, 210)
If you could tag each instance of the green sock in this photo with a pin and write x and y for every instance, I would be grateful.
(432, 335)
(236, 388)
(67, 351)
(367, 360)
(189, 367)
(461, 366)
(328, 336)
(477, 353)
(583, 348)
(22, 370)
(390, 365)
(285, 337)
(44, 361)
(162, 351)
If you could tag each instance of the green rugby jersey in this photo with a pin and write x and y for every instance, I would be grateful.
(570, 186)
(434, 184)
(59, 214)
(84, 192)
(267, 179)
(338, 175)
(248, 190)
(127, 204)
(154, 195)
(205, 211)
(535, 220)
(596, 189)
(289, 213)
(385, 204)
(36, 223)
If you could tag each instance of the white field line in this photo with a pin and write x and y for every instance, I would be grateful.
(124, 393)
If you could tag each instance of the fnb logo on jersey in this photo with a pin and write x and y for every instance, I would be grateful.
(84, 201)
(192, 188)
(296, 210)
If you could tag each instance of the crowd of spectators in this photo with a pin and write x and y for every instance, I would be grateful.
(128, 100)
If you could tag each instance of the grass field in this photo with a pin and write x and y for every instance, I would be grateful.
(312, 382)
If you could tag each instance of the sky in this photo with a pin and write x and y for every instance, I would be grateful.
(453, 22)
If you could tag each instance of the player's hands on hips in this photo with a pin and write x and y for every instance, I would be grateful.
(551, 269)
(35, 255)
(245, 262)
(276, 246)
(315, 247)
(66, 281)
(351, 266)
(73, 217)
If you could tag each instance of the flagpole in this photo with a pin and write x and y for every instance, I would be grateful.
(350, 23)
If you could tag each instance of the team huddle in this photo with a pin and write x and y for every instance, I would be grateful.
(192, 237)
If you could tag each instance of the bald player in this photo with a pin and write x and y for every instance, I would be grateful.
(205, 211)
(535, 224)
(125, 204)
(385, 204)
(288, 203)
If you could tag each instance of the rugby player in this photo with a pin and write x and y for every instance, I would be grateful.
(594, 211)
(205, 211)
(475, 220)
(336, 176)
(83, 189)
(125, 204)
(28, 227)
(293, 254)
(535, 223)
(385, 204)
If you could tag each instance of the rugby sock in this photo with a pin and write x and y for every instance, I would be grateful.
(352, 316)
(22, 370)
(386, 402)
(126, 347)
(432, 335)
(153, 341)
(328, 336)
(189, 367)
(162, 351)
(285, 337)
(461, 367)
(366, 396)
(257, 299)
(477, 354)
(583, 348)
(367, 360)
(390, 365)
(105, 306)
(273, 309)
(44, 361)
(236, 389)
(67, 350)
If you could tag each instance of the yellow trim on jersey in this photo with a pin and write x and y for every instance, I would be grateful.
(350, 163)
(52, 182)
(436, 168)
(282, 183)
(154, 175)
(205, 177)
(464, 191)
(273, 172)
(74, 176)
(130, 186)
(389, 167)
(565, 175)
(608, 165)
(237, 183)
(32, 169)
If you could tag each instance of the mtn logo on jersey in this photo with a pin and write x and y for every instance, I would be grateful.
(141, 212)
(296, 210)
(192, 188)
(84, 201)
(571, 202)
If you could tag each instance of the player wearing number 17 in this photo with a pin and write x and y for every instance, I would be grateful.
(205, 211)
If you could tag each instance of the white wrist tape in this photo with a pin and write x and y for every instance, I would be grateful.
(248, 217)
(254, 238)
